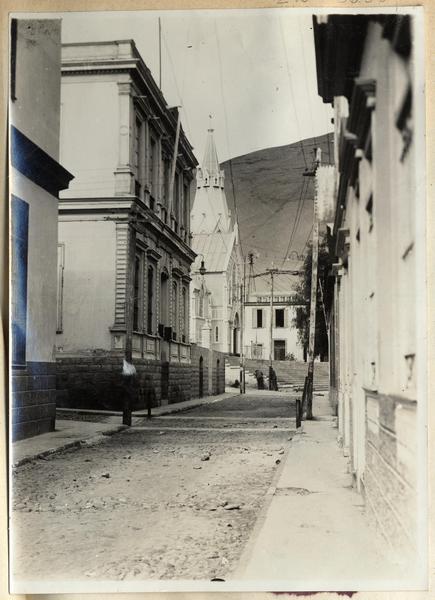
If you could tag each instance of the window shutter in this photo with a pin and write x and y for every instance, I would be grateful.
(286, 317)
(254, 318)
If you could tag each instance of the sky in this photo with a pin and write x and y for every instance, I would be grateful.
(252, 71)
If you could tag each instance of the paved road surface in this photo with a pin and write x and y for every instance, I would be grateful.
(172, 498)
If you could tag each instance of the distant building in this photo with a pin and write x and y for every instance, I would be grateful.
(36, 177)
(366, 68)
(285, 343)
(216, 243)
(124, 230)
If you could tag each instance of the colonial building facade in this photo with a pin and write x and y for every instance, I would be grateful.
(215, 296)
(367, 68)
(36, 177)
(124, 228)
(257, 332)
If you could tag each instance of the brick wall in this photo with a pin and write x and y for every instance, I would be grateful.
(33, 399)
(391, 468)
(96, 381)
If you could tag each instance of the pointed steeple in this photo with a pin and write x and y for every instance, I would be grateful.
(211, 161)
(210, 173)
(210, 210)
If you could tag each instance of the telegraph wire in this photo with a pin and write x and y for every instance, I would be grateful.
(226, 129)
(305, 79)
(176, 83)
(298, 211)
(292, 93)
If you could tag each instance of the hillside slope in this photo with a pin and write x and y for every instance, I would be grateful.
(269, 186)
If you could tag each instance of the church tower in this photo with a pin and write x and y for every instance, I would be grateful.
(210, 212)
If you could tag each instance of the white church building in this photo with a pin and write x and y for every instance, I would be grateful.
(217, 270)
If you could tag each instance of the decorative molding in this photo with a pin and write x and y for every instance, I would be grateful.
(362, 103)
(177, 272)
(153, 254)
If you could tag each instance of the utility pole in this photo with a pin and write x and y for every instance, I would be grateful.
(128, 370)
(271, 271)
(313, 300)
(174, 165)
(160, 54)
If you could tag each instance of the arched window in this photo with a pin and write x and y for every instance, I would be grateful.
(150, 299)
(164, 301)
(201, 302)
(216, 334)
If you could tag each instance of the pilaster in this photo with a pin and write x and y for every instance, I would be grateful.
(124, 175)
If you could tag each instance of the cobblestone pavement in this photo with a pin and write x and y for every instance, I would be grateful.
(171, 498)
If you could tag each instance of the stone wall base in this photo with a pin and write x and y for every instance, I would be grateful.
(33, 398)
(96, 382)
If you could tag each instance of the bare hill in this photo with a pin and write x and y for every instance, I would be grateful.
(274, 203)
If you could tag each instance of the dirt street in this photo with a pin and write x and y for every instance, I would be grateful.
(171, 498)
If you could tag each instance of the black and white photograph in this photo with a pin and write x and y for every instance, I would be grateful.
(218, 348)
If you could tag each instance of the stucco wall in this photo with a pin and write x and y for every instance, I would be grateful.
(261, 335)
(381, 355)
(89, 285)
(89, 138)
(35, 112)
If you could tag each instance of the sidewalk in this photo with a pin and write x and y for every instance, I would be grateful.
(313, 533)
(72, 434)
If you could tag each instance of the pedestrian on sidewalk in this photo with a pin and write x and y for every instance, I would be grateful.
(273, 382)
(260, 379)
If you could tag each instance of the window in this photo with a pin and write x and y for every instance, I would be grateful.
(150, 299)
(279, 317)
(185, 215)
(60, 270)
(175, 308)
(166, 188)
(185, 309)
(153, 169)
(137, 155)
(20, 237)
(216, 334)
(176, 207)
(201, 303)
(164, 313)
(137, 296)
(259, 317)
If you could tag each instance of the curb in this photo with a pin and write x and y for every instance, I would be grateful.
(258, 525)
(75, 445)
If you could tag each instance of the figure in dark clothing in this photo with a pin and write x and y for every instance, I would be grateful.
(260, 379)
(273, 382)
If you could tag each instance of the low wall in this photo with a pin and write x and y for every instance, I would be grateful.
(96, 381)
(390, 479)
(33, 399)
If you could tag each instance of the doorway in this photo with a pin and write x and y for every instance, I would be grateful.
(278, 349)
(236, 328)
(201, 377)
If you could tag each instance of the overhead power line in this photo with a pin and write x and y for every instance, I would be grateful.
(226, 128)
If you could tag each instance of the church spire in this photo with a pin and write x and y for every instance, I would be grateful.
(210, 210)
(211, 161)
